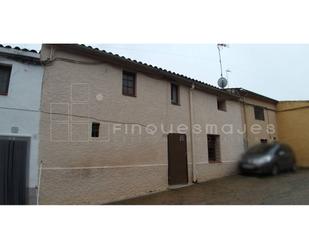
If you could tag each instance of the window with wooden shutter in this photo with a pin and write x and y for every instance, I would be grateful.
(129, 84)
(259, 113)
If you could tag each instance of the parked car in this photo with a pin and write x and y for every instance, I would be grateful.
(268, 159)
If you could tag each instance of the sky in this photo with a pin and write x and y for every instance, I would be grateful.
(276, 71)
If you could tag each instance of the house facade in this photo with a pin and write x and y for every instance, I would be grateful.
(83, 126)
(20, 93)
(259, 117)
(293, 120)
(112, 128)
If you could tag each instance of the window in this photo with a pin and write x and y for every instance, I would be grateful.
(174, 94)
(213, 148)
(263, 141)
(128, 84)
(221, 103)
(95, 129)
(259, 113)
(5, 74)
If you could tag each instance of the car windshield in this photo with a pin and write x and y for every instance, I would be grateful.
(260, 149)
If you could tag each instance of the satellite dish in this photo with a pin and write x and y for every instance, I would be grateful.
(222, 82)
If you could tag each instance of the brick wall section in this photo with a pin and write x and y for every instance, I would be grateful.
(270, 119)
(77, 169)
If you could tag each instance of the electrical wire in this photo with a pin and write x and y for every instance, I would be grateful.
(73, 115)
(49, 62)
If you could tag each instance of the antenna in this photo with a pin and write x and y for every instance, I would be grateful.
(227, 71)
(222, 82)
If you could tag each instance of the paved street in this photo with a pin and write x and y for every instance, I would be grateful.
(284, 189)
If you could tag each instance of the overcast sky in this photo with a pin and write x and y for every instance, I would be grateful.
(277, 71)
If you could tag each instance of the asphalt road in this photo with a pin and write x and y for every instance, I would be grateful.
(284, 189)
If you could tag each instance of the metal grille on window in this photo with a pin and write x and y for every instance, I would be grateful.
(213, 148)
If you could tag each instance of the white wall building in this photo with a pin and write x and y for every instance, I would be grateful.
(20, 95)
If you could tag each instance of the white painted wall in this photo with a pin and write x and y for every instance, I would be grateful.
(21, 107)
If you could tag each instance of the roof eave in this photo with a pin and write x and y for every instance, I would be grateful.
(15, 54)
(246, 93)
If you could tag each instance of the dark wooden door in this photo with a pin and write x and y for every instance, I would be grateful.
(13, 168)
(177, 159)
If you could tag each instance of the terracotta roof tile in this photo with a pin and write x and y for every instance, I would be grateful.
(18, 48)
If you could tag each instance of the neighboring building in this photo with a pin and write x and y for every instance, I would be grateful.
(20, 93)
(293, 120)
(113, 128)
(259, 117)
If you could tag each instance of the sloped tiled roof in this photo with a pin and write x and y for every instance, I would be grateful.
(150, 68)
(21, 54)
(18, 48)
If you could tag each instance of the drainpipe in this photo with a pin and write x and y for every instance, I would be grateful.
(268, 123)
(246, 124)
(50, 58)
(194, 179)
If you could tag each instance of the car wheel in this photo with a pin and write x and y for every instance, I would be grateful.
(274, 170)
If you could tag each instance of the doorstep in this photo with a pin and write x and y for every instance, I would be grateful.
(171, 187)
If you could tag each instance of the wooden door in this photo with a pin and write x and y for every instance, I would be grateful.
(13, 169)
(177, 159)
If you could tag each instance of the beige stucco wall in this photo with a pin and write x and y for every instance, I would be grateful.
(228, 124)
(255, 134)
(293, 120)
(77, 169)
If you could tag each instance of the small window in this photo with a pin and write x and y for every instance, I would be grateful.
(221, 103)
(174, 94)
(263, 141)
(128, 84)
(213, 148)
(5, 74)
(259, 113)
(95, 130)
